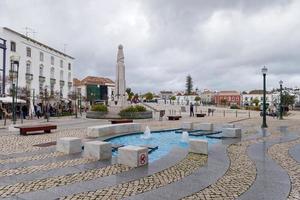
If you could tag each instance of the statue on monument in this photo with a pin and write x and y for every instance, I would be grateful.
(120, 85)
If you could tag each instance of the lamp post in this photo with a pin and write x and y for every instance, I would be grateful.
(3, 47)
(47, 114)
(264, 71)
(75, 93)
(14, 72)
(280, 105)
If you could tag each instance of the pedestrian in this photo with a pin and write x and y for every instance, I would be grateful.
(191, 110)
(38, 111)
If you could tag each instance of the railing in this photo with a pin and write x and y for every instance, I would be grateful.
(52, 80)
(29, 77)
(61, 82)
(42, 78)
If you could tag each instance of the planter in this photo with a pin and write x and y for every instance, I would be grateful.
(137, 115)
(96, 114)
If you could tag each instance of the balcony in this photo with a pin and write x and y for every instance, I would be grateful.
(29, 77)
(13, 74)
(70, 84)
(62, 83)
(42, 78)
(52, 81)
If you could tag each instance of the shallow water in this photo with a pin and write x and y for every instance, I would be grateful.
(164, 140)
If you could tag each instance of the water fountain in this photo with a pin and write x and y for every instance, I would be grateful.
(185, 136)
(147, 133)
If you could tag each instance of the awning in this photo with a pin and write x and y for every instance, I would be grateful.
(10, 99)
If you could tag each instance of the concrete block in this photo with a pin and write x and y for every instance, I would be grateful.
(113, 129)
(97, 149)
(198, 146)
(69, 145)
(203, 126)
(232, 132)
(228, 125)
(187, 125)
(133, 156)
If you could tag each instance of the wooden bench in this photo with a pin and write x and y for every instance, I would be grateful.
(33, 128)
(200, 115)
(121, 121)
(174, 117)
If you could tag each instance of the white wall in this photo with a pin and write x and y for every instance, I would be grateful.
(21, 44)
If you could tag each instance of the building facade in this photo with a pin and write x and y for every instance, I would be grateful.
(94, 88)
(228, 98)
(40, 67)
(207, 97)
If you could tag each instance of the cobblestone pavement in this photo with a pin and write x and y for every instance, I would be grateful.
(238, 178)
(35, 168)
(42, 184)
(18, 144)
(280, 153)
(184, 168)
(31, 158)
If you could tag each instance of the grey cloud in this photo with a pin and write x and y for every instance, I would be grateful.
(222, 44)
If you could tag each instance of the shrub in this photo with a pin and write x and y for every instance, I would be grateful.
(99, 108)
(140, 108)
(133, 109)
(234, 107)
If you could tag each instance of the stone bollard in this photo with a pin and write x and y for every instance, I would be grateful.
(69, 145)
(133, 156)
(232, 132)
(198, 146)
(228, 126)
(203, 126)
(97, 149)
(186, 125)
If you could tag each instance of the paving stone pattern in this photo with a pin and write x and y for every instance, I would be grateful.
(31, 158)
(42, 184)
(16, 144)
(280, 153)
(184, 168)
(35, 168)
(238, 178)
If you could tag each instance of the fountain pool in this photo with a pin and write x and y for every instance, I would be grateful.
(165, 141)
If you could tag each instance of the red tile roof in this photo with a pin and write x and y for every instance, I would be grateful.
(93, 80)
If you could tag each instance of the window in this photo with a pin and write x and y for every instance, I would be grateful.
(28, 51)
(41, 86)
(52, 60)
(41, 70)
(28, 68)
(52, 70)
(69, 77)
(61, 75)
(61, 63)
(41, 56)
(12, 46)
(69, 66)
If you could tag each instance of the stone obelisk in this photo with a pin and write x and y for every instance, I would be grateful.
(120, 85)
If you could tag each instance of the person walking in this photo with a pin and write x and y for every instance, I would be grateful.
(191, 110)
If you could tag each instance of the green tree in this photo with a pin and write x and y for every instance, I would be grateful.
(189, 85)
(173, 98)
(148, 96)
(197, 98)
(287, 99)
(255, 101)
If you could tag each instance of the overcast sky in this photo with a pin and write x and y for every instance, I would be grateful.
(223, 44)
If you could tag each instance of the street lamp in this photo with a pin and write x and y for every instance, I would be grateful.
(280, 106)
(14, 72)
(47, 114)
(264, 71)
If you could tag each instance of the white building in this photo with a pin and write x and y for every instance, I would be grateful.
(40, 66)
(207, 97)
(247, 99)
